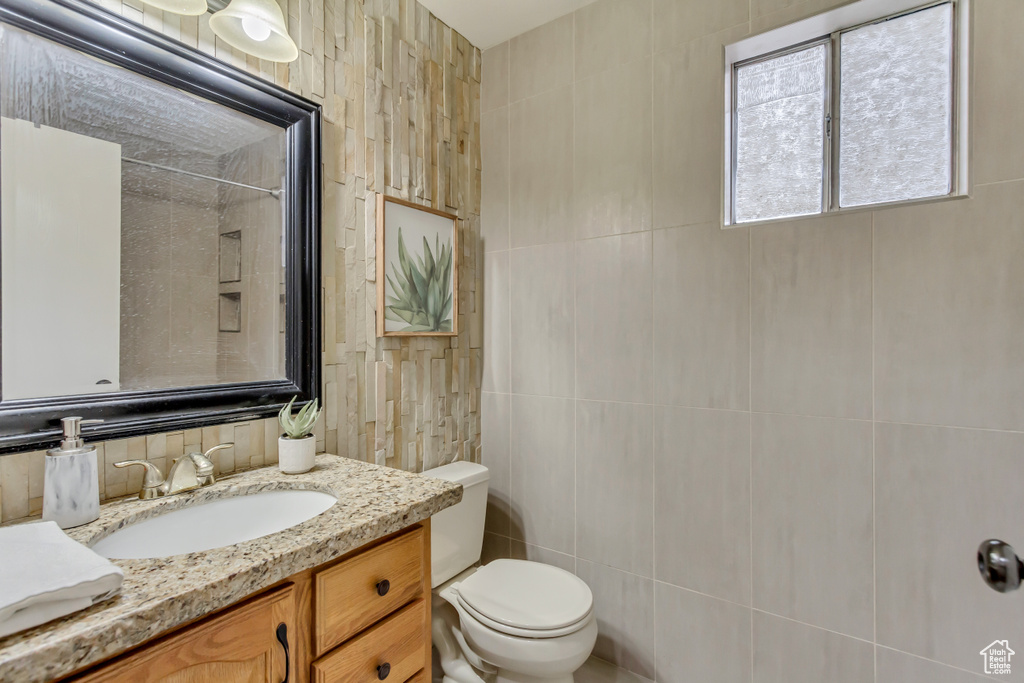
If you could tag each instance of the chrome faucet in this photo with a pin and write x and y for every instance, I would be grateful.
(186, 474)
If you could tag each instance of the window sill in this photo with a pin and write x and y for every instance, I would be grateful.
(852, 210)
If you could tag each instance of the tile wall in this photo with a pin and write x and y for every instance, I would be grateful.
(400, 93)
(771, 451)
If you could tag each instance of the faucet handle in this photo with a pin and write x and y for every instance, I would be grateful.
(152, 481)
(204, 466)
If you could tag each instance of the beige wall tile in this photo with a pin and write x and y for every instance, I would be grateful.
(14, 482)
(899, 667)
(811, 507)
(949, 321)
(494, 135)
(495, 425)
(614, 485)
(624, 606)
(700, 638)
(998, 109)
(496, 322)
(941, 492)
(702, 317)
(612, 167)
(494, 79)
(788, 651)
(543, 440)
(677, 22)
(702, 474)
(610, 33)
(770, 14)
(811, 317)
(534, 553)
(495, 547)
(688, 124)
(541, 59)
(541, 169)
(596, 670)
(614, 325)
(543, 320)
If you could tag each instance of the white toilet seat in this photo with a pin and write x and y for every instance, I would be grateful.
(525, 599)
(521, 632)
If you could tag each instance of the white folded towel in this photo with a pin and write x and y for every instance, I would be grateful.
(44, 575)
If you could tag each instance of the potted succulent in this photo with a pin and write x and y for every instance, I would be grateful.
(296, 448)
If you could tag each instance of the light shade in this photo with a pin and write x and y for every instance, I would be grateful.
(190, 8)
(256, 27)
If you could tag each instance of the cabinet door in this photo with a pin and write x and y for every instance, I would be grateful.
(240, 645)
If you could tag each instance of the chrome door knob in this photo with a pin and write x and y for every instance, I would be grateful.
(999, 565)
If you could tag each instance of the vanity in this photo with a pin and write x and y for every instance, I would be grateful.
(343, 596)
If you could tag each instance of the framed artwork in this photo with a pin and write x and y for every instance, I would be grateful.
(417, 270)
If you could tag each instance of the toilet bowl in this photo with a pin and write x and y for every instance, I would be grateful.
(525, 621)
(510, 621)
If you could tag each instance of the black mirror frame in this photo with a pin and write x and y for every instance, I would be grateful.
(30, 424)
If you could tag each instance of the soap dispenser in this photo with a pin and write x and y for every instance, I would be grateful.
(71, 486)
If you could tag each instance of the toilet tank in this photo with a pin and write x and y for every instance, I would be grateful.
(457, 533)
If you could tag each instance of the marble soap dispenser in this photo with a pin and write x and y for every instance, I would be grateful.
(71, 487)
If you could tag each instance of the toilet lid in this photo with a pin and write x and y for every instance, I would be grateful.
(527, 595)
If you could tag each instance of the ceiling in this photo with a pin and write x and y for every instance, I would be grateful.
(486, 23)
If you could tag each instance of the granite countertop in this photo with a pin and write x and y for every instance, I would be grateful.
(161, 594)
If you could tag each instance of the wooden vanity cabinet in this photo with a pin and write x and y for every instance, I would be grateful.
(239, 645)
(362, 618)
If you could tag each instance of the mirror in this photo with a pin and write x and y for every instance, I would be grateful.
(157, 230)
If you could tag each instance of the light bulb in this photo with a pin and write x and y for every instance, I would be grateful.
(256, 28)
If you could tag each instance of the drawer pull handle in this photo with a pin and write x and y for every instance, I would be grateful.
(383, 671)
(382, 589)
(282, 637)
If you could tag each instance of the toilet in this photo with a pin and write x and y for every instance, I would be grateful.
(510, 621)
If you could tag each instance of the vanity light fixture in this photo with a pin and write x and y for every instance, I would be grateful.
(189, 8)
(256, 27)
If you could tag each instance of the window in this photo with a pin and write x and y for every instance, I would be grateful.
(846, 110)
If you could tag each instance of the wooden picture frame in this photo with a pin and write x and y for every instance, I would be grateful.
(439, 317)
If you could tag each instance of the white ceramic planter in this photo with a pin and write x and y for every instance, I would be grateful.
(296, 456)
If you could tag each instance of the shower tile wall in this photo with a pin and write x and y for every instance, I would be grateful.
(771, 451)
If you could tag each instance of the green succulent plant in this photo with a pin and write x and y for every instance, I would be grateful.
(422, 288)
(299, 426)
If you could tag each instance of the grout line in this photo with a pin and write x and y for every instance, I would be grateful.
(750, 432)
(874, 473)
(896, 423)
(817, 628)
(932, 661)
(575, 324)
(654, 418)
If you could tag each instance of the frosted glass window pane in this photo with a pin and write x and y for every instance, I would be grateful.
(896, 83)
(780, 108)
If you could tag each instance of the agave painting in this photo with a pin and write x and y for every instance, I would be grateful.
(418, 269)
(421, 288)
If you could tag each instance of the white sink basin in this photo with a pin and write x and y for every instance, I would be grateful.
(216, 524)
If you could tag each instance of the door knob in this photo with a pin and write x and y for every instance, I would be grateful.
(999, 565)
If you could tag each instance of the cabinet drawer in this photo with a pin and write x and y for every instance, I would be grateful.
(348, 595)
(397, 642)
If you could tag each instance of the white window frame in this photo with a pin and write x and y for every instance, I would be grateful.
(826, 29)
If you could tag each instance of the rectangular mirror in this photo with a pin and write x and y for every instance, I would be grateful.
(156, 209)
